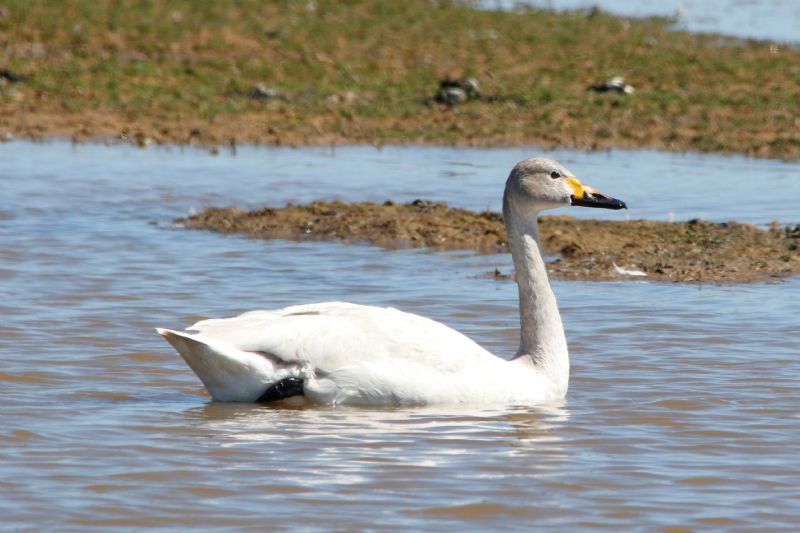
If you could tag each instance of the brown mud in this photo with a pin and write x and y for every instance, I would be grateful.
(365, 72)
(693, 251)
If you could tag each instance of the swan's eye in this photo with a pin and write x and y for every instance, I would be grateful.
(555, 174)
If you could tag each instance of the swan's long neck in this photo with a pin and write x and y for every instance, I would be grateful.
(542, 340)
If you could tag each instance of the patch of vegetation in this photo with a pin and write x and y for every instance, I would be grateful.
(364, 71)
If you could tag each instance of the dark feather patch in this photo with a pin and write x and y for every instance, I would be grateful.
(285, 388)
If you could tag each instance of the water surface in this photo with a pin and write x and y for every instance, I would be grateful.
(682, 408)
(772, 20)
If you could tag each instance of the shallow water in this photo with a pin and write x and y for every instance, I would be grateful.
(773, 20)
(682, 409)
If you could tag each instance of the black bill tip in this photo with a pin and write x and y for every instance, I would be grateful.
(598, 200)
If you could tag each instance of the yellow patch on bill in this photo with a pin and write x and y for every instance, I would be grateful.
(576, 185)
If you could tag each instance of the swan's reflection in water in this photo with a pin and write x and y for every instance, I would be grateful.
(253, 422)
(371, 447)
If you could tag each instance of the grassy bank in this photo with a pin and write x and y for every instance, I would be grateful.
(366, 71)
(694, 251)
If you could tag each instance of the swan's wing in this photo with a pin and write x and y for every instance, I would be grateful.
(333, 336)
(347, 353)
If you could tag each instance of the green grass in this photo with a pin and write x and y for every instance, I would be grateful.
(177, 64)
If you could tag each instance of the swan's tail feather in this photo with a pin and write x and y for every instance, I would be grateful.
(229, 374)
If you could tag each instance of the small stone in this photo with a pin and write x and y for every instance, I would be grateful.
(262, 92)
(616, 85)
(12, 77)
(453, 92)
(452, 96)
(470, 85)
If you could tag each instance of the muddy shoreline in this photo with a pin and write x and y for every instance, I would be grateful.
(320, 73)
(694, 251)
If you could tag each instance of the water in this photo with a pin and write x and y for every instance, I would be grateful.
(682, 408)
(772, 20)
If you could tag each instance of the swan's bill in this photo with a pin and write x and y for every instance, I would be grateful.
(585, 196)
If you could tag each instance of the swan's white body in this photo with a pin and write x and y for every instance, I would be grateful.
(354, 354)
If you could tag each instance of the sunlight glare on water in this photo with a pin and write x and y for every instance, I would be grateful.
(682, 408)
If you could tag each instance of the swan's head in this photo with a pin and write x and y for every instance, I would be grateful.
(536, 184)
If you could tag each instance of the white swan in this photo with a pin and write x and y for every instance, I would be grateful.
(337, 353)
